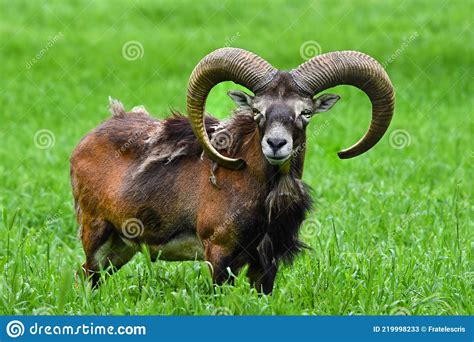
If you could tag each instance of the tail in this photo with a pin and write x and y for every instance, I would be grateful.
(116, 107)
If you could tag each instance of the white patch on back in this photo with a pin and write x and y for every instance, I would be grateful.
(140, 109)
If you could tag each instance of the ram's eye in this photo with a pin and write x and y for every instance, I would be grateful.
(306, 113)
(255, 111)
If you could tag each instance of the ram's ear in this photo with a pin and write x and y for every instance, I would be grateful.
(241, 98)
(324, 102)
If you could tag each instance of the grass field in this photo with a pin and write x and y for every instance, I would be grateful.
(392, 230)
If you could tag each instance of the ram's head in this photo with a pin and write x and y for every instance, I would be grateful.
(284, 102)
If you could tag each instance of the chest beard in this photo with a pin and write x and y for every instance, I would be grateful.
(288, 194)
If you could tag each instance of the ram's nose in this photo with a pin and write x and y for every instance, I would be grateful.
(276, 143)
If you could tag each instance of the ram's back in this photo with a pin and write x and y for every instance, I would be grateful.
(135, 166)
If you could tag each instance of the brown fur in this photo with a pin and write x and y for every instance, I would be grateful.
(128, 168)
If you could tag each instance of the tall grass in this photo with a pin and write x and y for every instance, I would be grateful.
(392, 230)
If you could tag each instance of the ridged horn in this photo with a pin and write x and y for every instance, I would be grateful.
(359, 70)
(226, 64)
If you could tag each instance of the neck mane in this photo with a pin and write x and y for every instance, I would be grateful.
(287, 197)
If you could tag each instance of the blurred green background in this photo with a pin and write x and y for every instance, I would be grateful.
(391, 231)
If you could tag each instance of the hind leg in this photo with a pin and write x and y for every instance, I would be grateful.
(104, 249)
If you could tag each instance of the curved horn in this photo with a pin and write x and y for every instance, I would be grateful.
(359, 70)
(226, 64)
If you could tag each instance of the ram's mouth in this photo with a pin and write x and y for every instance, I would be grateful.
(277, 160)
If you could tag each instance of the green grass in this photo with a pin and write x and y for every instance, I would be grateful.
(392, 230)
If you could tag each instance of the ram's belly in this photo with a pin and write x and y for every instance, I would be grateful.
(183, 247)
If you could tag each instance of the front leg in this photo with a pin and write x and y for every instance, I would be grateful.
(262, 273)
(220, 260)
